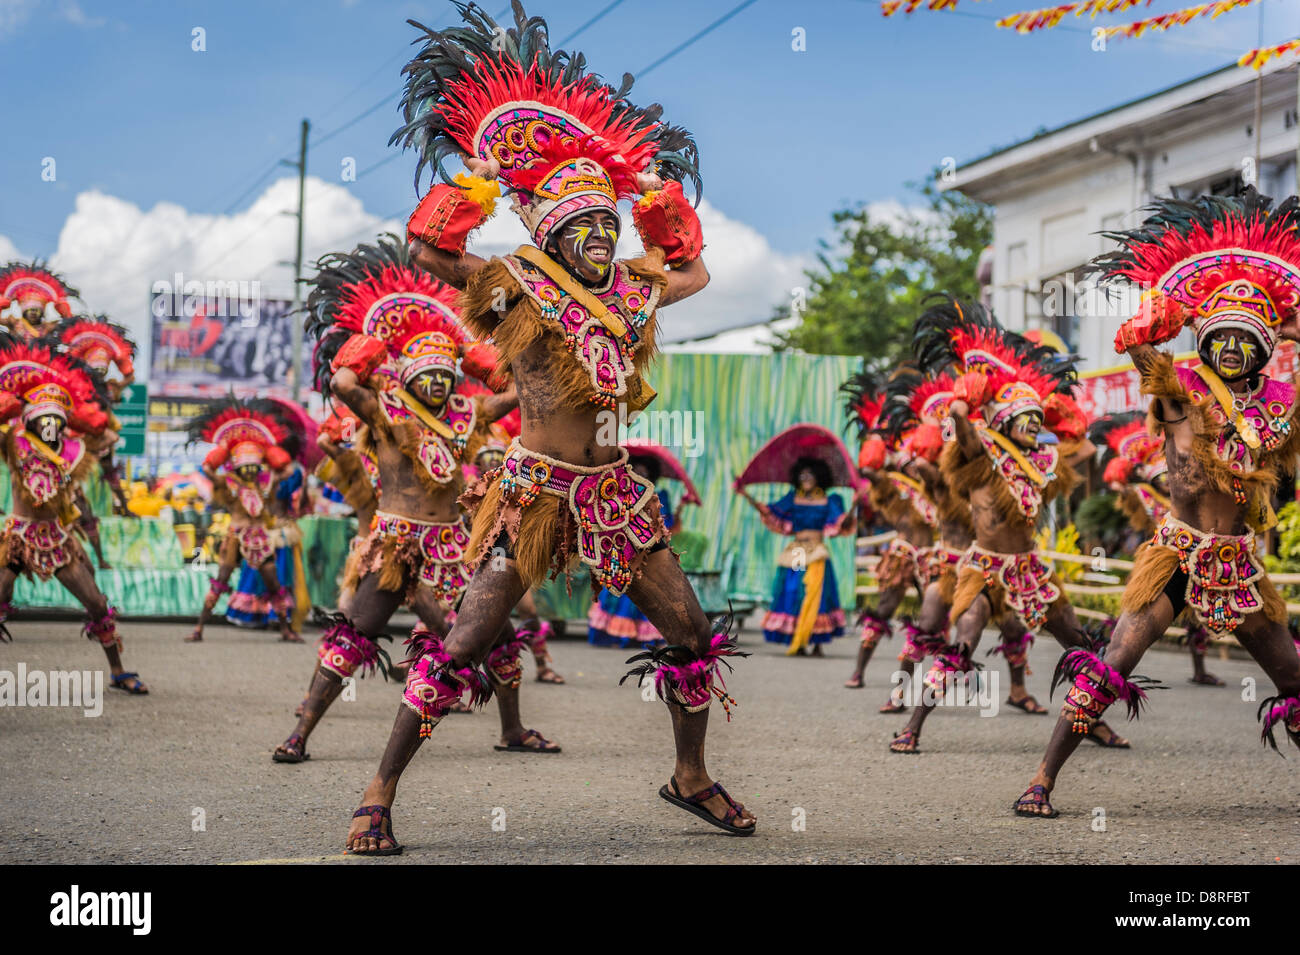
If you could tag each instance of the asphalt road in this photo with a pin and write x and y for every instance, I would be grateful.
(809, 757)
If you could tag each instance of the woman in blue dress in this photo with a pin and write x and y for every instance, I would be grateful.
(805, 609)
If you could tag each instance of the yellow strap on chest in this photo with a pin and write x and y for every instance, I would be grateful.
(1030, 469)
(1260, 515)
(420, 411)
(1224, 397)
(587, 299)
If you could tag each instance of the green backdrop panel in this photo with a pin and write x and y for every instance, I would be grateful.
(714, 412)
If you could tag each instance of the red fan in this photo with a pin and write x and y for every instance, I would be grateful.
(772, 463)
(669, 466)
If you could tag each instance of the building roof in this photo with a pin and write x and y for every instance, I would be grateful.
(1146, 114)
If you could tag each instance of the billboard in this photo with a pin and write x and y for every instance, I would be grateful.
(206, 345)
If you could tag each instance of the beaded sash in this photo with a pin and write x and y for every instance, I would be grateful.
(606, 356)
(438, 455)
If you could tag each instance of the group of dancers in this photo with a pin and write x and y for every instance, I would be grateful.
(466, 399)
(964, 447)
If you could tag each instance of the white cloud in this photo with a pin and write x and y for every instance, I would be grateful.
(13, 13)
(113, 251)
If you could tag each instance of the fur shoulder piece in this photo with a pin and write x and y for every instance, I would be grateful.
(598, 341)
(1221, 450)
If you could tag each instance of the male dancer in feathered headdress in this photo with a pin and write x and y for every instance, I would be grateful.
(1016, 437)
(43, 400)
(389, 331)
(576, 328)
(41, 297)
(254, 450)
(1230, 269)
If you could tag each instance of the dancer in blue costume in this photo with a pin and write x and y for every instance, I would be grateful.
(805, 608)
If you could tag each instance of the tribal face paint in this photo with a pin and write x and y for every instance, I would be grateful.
(1232, 355)
(48, 427)
(433, 386)
(587, 244)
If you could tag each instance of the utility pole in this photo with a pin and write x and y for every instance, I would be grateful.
(295, 372)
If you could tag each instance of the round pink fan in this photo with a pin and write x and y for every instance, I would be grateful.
(669, 466)
(772, 463)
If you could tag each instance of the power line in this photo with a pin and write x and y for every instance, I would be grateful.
(590, 22)
(699, 36)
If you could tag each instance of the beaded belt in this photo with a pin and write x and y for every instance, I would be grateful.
(1026, 579)
(609, 504)
(442, 549)
(1222, 571)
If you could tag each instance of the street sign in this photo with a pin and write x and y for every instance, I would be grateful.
(133, 414)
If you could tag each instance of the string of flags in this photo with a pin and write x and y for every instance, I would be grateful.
(1256, 59)
(1045, 18)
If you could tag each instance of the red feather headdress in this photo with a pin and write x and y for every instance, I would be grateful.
(33, 285)
(562, 138)
(44, 383)
(247, 432)
(1221, 262)
(961, 338)
(98, 344)
(376, 291)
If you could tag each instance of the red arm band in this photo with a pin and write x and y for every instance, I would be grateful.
(927, 442)
(276, 458)
(362, 354)
(1064, 417)
(1159, 321)
(216, 457)
(872, 453)
(447, 215)
(1118, 471)
(666, 219)
(972, 388)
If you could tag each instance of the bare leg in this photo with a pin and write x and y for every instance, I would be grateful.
(531, 623)
(667, 599)
(1063, 624)
(91, 530)
(79, 578)
(932, 619)
(271, 581)
(970, 626)
(374, 609)
(1133, 635)
(229, 560)
(1274, 650)
(888, 602)
(485, 608)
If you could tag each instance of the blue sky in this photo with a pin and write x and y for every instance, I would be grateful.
(114, 93)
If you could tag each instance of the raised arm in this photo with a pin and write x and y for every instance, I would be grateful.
(684, 281)
(967, 438)
(442, 222)
(496, 406)
(451, 268)
(348, 388)
(667, 221)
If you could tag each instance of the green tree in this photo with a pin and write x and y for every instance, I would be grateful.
(870, 285)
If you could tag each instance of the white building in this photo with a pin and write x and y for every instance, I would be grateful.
(1052, 194)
